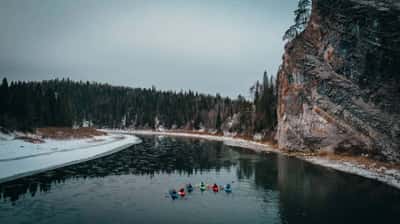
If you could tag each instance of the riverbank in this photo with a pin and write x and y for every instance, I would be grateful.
(29, 155)
(383, 172)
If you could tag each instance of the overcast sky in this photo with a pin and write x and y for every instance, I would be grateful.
(208, 46)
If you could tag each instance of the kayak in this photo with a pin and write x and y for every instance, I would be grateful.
(174, 195)
(215, 189)
(182, 193)
(228, 190)
(189, 188)
(203, 187)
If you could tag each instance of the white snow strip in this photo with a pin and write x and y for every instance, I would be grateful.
(13, 149)
(388, 176)
(17, 161)
(227, 140)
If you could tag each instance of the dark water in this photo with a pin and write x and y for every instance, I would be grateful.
(131, 187)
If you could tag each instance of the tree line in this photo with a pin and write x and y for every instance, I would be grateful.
(66, 103)
(265, 103)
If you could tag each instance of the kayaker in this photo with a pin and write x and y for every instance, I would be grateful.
(215, 188)
(174, 194)
(182, 192)
(189, 187)
(203, 186)
(228, 188)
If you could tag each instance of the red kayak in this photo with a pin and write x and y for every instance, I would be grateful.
(215, 188)
(182, 193)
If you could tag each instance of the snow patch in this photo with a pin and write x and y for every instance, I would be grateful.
(19, 158)
(227, 140)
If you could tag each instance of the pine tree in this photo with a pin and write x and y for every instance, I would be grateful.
(302, 15)
(64, 102)
(3, 96)
(218, 122)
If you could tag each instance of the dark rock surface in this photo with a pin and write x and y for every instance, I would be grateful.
(339, 84)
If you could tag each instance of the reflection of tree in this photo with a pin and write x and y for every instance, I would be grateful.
(245, 169)
(153, 156)
(266, 173)
(303, 193)
(262, 169)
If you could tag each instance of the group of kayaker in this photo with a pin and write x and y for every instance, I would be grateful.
(202, 186)
(227, 188)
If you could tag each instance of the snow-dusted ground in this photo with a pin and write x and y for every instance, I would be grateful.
(19, 158)
(227, 140)
(388, 176)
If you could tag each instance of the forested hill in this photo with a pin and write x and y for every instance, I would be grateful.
(27, 105)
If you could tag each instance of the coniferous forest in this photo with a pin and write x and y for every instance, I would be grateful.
(65, 103)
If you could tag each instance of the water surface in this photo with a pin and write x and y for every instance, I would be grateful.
(132, 187)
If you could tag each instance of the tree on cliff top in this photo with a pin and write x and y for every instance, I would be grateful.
(302, 15)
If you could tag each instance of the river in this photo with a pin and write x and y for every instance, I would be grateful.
(132, 186)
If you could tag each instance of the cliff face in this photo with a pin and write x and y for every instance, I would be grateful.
(339, 84)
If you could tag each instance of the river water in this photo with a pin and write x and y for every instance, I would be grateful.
(132, 187)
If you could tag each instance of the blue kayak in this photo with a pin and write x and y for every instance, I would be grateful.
(174, 194)
(189, 188)
(228, 188)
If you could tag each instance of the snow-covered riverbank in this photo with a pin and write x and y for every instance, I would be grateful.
(382, 174)
(231, 141)
(19, 158)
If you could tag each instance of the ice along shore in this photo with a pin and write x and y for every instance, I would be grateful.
(19, 158)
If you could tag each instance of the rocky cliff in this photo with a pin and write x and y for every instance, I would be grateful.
(339, 84)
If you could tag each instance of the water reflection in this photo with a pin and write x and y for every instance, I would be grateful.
(154, 156)
(328, 196)
(273, 188)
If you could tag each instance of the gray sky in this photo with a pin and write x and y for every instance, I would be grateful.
(208, 46)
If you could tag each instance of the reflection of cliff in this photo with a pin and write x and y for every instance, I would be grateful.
(311, 194)
(152, 157)
(339, 82)
(288, 188)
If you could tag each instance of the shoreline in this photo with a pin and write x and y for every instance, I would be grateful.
(389, 176)
(22, 167)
